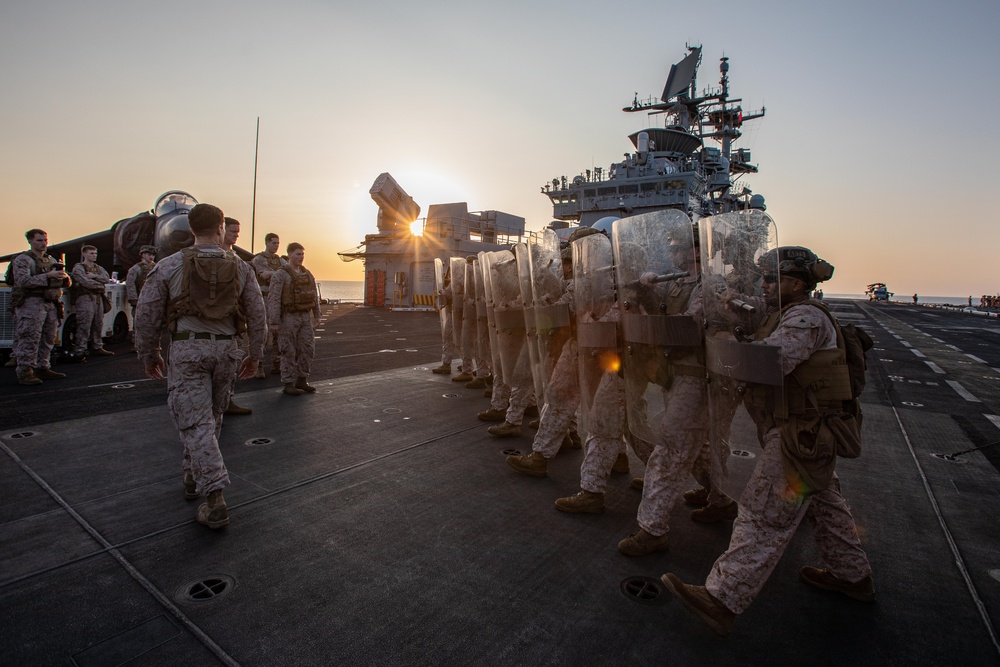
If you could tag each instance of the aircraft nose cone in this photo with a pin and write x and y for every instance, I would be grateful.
(180, 238)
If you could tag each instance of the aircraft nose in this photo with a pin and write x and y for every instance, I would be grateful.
(180, 238)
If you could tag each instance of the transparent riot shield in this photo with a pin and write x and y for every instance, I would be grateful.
(596, 320)
(552, 313)
(486, 260)
(735, 306)
(524, 251)
(659, 297)
(440, 300)
(469, 325)
(508, 311)
(482, 321)
(457, 267)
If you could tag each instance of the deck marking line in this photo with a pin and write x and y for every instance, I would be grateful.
(962, 391)
(995, 419)
(934, 367)
(975, 358)
(954, 347)
(918, 352)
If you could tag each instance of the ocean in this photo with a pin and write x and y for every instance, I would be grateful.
(344, 290)
(908, 298)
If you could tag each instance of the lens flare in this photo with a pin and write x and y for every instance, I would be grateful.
(610, 361)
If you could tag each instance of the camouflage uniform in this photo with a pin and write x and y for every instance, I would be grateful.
(261, 262)
(36, 318)
(296, 335)
(770, 510)
(200, 373)
(89, 307)
(132, 286)
(606, 425)
(448, 335)
(564, 393)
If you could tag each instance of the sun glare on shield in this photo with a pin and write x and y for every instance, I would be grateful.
(417, 227)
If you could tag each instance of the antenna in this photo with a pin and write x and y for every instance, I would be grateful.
(253, 206)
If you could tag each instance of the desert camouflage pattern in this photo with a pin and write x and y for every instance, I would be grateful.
(563, 399)
(296, 331)
(36, 320)
(605, 433)
(89, 309)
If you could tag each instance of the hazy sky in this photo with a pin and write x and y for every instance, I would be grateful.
(874, 152)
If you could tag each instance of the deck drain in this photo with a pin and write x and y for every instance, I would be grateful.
(449, 395)
(912, 404)
(259, 442)
(644, 590)
(207, 589)
(743, 454)
(950, 458)
(391, 411)
(511, 452)
(357, 399)
(21, 435)
(122, 386)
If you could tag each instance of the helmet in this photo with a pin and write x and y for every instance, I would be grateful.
(796, 261)
(581, 232)
(147, 248)
(604, 224)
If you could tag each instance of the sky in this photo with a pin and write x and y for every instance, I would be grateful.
(874, 151)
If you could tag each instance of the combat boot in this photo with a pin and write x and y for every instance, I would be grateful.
(637, 483)
(583, 502)
(642, 543)
(621, 464)
(260, 374)
(488, 392)
(696, 497)
(101, 352)
(48, 374)
(190, 487)
(443, 369)
(491, 415)
(863, 591)
(716, 513)
(234, 409)
(701, 603)
(28, 377)
(462, 377)
(477, 383)
(276, 368)
(213, 512)
(305, 386)
(292, 390)
(534, 423)
(569, 443)
(533, 465)
(505, 430)
(11, 363)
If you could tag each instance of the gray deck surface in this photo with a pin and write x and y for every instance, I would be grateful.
(381, 525)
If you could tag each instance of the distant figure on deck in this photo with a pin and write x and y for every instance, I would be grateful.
(37, 281)
(914, 299)
(292, 308)
(136, 278)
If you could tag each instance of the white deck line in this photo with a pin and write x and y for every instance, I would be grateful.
(917, 352)
(934, 367)
(975, 358)
(962, 391)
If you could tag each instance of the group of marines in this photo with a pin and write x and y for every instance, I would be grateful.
(649, 334)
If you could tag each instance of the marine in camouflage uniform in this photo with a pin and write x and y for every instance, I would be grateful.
(264, 265)
(89, 279)
(203, 354)
(136, 278)
(292, 306)
(779, 494)
(37, 290)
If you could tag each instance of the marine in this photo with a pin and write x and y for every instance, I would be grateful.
(87, 297)
(292, 308)
(203, 317)
(264, 264)
(136, 278)
(230, 235)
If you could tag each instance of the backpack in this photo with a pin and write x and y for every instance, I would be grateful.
(857, 342)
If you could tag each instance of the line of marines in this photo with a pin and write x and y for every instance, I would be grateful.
(650, 334)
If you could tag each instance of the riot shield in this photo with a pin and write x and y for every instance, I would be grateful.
(469, 325)
(457, 266)
(734, 307)
(482, 320)
(659, 298)
(596, 319)
(523, 252)
(508, 311)
(552, 313)
(440, 301)
(486, 259)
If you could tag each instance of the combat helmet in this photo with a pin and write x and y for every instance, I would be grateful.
(796, 261)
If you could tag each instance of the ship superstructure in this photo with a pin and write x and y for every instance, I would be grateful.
(689, 162)
(399, 259)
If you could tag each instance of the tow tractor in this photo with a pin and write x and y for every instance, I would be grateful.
(878, 292)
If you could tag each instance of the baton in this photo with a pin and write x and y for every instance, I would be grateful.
(660, 279)
(744, 305)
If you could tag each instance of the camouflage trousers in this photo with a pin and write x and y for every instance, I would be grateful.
(681, 438)
(297, 345)
(520, 399)
(770, 512)
(447, 341)
(606, 431)
(199, 378)
(500, 399)
(89, 310)
(35, 334)
(563, 399)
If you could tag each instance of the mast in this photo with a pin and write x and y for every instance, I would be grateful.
(253, 205)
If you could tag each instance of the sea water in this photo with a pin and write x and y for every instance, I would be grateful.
(344, 290)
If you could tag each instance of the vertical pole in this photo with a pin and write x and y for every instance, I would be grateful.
(253, 206)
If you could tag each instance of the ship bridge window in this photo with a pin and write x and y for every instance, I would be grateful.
(629, 189)
(607, 191)
(590, 193)
(649, 187)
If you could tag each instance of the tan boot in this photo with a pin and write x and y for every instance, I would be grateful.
(234, 409)
(621, 465)
(305, 386)
(48, 374)
(636, 483)
(477, 383)
(190, 487)
(260, 374)
(505, 430)
(28, 377)
(491, 415)
(864, 590)
(213, 512)
(584, 502)
(698, 601)
(696, 497)
(715, 513)
(443, 369)
(462, 377)
(11, 363)
(642, 543)
(292, 390)
(533, 465)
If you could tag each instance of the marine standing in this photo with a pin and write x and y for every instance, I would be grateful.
(264, 265)
(136, 278)
(205, 297)
(87, 292)
(37, 309)
(794, 477)
(292, 305)
(230, 235)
